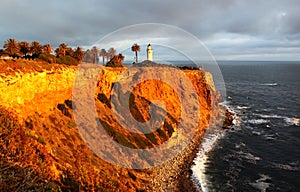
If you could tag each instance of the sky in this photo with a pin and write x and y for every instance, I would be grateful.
(229, 29)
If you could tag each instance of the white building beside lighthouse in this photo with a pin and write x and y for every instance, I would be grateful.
(149, 52)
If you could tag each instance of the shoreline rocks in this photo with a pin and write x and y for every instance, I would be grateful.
(176, 174)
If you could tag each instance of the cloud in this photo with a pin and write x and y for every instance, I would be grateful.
(249, 24)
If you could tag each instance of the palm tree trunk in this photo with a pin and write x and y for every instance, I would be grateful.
(136, 57)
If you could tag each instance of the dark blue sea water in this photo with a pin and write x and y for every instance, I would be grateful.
(262, 153)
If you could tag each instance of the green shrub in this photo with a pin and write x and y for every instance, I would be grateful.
(116, 61)
(47, 57)
(68, 60)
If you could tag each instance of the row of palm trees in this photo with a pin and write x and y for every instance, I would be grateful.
(92, 55)
(14, 48)
(23, 49)
(63, 50)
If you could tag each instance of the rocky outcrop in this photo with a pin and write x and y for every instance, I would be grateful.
(39, 102)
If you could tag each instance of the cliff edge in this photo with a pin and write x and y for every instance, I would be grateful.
(41, 147)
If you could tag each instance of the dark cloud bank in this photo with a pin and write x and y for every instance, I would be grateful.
(231, 29)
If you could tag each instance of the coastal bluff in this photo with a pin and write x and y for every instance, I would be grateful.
(41, 147)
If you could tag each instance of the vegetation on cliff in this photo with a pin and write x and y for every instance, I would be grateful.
(116, 61)
(92, 55)
(136, 48)
(63, 53)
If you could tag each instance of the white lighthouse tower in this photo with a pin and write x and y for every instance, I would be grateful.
(149, 52)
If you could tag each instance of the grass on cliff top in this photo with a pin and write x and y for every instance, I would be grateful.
(11, 66)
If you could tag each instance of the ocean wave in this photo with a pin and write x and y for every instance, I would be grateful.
(288, 120)
(269, 84)
(258, 121)
(199, 169)
(288, 167)
(267, 109)
(270, 137)
(274, 116)
(256, 133)
(261, 183)
(292, 121)
(281, 108)
(240, 145)
(248, 157)
(242, 107)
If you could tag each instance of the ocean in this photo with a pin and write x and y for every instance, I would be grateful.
(262, 150)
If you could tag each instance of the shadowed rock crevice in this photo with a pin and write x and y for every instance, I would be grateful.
(103, 99)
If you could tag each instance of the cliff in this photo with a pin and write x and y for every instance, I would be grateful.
(42, 148)
(29, 87)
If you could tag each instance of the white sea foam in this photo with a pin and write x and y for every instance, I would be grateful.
(208, 143)
(281, 108)
(267, 109)
(236, 119)
(240, 145)
(288, 120)
(269, 84)
(292, 121)
(202, 158)
(248, 157)
(270, 137)
(288, 167)
(261, 183)
(273, 116)
(258, 121)
(256, 133)
(242, 107)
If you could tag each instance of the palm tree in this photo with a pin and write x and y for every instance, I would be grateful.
(95, 52)
(135, 48)
(121, 57)
(87, 56)
(111, 53)
(24, 48)
(78, 54)
(102, 54)
(61, 50)
(11, 47)
(47, 48)
(70, 51)
(107, 57)
(36, 48)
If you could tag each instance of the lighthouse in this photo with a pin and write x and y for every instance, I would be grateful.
(149, 52)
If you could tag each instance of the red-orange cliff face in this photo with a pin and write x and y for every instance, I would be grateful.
(40, 144)
(29, 87)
